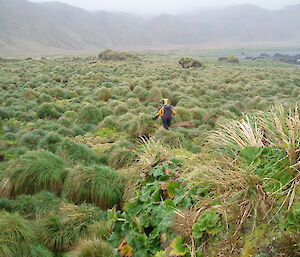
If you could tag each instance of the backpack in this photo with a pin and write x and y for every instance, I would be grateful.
(167, 112)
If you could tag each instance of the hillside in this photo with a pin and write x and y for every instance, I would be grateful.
(27, 27)
(85, 171)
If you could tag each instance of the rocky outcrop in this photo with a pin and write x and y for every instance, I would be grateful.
(187, 63)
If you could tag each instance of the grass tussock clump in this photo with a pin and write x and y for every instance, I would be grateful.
(170, 138)
(76, 152)
(48, 110)
(120, 157)
(50, 142)
(104, 94)
(232, 136)
(94, 247)
(100, 185)
(60, 231)
(31, 139)
(152, 152)
(254, 162)
(18, 239)
(36, 205)
(33, 172)
(93, 114)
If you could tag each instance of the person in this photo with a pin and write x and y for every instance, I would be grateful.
(165, 112)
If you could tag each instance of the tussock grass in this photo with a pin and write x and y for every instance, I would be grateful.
(76, 152)
(59, 231)
(18, 239)
(232, 136)
(238, 189)
(32, 206)
(50, 142)
(121, 157)
(94, 247)
(33, 172)
(283, 128)
(100, 185)
(151, 152)
(233, 167)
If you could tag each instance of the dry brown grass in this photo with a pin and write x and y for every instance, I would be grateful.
(232, 136)
(152, 152)
(236, 188)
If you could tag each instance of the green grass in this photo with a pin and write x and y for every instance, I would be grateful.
(64, 117)
(18, 238)
(60, 230)
(33, 172)
(100, 185)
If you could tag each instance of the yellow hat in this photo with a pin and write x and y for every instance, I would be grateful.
(165, 101)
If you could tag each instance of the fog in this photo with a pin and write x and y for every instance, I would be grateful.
(168, 6)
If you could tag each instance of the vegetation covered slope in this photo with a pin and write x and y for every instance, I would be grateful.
(85, 171)
(57, 28)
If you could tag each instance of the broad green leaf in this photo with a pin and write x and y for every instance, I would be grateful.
(178, 246)
(197, 231)
(171, 188)
(169, 204)
(161, 254)
(250, 154)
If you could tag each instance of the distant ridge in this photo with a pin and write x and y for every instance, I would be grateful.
(27, 27)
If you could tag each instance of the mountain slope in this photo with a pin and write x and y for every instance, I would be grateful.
(51, 27)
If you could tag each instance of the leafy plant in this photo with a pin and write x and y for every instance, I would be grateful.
(148, 217)
(209, 222)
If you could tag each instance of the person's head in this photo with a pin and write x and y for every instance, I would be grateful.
(165, 101)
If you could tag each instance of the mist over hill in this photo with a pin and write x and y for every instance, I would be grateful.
(27, 27)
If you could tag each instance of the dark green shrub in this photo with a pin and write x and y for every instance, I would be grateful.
(187, 62)
(33, 172)
(100, 185)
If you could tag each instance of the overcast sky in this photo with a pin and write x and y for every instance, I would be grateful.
(167, 6)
